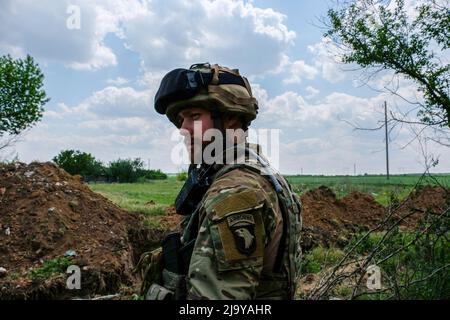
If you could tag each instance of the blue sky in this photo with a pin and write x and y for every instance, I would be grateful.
(102, 78)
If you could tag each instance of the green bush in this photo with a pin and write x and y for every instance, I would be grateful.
(320, 258)
(77, 162)
(419, 261)
(182, 176)
(50, 267)
(125, 170)
(121, 170)
(367, 244)
(152, 174)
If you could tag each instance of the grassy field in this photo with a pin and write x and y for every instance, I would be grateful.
(376, 185)
(136, 196)
(152, 198)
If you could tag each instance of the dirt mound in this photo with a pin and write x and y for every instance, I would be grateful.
(427, 199)
(362, 210)
(48, 215)
(321, 217)
(331, 221)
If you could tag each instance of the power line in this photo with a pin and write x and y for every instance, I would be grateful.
(387, 140)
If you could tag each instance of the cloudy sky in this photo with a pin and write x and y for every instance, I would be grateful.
(102, 74)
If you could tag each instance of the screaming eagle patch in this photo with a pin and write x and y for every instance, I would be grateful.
(237, 231)
(243, 228)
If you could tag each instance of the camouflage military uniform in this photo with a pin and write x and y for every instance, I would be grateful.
(240, 227)
(241, 241)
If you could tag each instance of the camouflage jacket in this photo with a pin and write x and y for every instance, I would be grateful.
(240, 228)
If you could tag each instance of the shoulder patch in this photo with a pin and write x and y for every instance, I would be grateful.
(239, 238)
(236, 202)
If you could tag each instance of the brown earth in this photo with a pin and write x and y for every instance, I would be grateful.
(430, 199)
(331, 221)
(44, 212)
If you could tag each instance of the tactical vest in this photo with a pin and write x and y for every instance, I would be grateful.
(281, 282)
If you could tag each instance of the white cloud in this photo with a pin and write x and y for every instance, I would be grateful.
(300, 69)
(319, 137)
(119, 81)
(118, 102)
(312, 92)
(290, 110)
(164, 33)
(151, 79)
(325, 59)
(40, 28)
(120, 122)
(232, 33)
(110, 123)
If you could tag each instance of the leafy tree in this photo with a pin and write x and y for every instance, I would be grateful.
(21, 95)
(182, 176)
(125, 170)
(77, 162)
(381, 34)
(153, 174)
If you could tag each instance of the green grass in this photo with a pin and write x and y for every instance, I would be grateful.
(134, 196)
(398, 186)
(320, 258)
(50, 267)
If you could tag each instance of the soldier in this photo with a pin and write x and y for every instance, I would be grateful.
(240, 237)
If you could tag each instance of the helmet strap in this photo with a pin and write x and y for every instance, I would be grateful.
(216, 115)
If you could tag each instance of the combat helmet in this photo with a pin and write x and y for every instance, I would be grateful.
(216, 88)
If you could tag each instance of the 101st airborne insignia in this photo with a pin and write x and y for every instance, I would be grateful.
(243, 228)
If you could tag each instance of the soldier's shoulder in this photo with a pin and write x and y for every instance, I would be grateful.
(238, 190)
(241, 178)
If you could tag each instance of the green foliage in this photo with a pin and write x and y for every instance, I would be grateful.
(376, 36)
(136, 296)
(122, 170)
(366, 244)
(182, 176)
(320, 258)
(77, 162)
(14, 275)
(153, 224)
(157, 211)
(21, 95)
(419, 261)
(153, 174)
(50, 267)
(125, 170)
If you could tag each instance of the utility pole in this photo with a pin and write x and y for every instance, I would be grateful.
(354, 169)
(148, 163)
(387, 140)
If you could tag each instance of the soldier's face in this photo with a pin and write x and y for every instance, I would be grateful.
(194, 123)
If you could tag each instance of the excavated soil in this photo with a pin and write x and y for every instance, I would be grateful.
(331, 221)
(45, 214)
